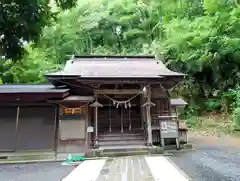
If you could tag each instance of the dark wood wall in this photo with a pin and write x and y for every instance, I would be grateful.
(8, 128)
(34, 129)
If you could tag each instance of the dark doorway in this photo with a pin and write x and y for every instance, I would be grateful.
(119, 118)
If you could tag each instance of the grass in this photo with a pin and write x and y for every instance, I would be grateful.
(213, 124)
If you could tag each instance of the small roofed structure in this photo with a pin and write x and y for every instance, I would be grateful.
(182, 125)
(28, 122)
(178, 102)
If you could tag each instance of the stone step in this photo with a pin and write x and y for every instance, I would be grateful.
(118, 119)
(118, 127)
(27, 156)
(123, 148)
(125, 153)
(138, 137)
(122, 142)
(108, 134)
(126, 150)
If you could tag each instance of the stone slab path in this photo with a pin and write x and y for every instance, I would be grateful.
(126, 169)
(131, 168)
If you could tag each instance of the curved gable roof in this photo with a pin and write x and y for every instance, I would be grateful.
(115, 67)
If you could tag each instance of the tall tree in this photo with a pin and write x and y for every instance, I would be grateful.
(22, 21)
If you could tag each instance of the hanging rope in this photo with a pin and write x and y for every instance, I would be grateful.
(127, 103)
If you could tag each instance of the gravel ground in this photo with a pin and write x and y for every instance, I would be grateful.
(210, 162)
(34, 172)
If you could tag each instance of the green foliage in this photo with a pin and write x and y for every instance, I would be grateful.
(196, 37)
(234, 95)
(23, 21)
(236, 119)
(212, 104)
(207, 49)
(30, 69)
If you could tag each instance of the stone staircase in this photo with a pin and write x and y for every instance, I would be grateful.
(118, 139)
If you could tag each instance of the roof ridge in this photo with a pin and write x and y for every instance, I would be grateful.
(116, 56)
(25, 84)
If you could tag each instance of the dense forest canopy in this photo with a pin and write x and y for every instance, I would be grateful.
(22, 21)
(198, 37)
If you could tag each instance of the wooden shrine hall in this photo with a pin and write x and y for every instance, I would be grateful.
(124, 97)
(93, 102)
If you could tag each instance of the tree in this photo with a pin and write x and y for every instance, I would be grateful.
(23, 21)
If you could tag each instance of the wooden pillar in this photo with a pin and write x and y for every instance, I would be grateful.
(96, 105)
(143, 113)
(178, 137)
(96, 126)
(17, 125)
(161, 135)
(86, 125)
(56, 128)
(110, 116)
(130, 119)
(148, 106)
(121, 107)
(149, 119)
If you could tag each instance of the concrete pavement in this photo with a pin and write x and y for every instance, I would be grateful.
(209, 162)
(49, 171)
(131, 168)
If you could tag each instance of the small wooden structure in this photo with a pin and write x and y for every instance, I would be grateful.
(182, 126)
(95, 101)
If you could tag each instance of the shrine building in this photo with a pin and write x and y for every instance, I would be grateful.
(95, 102)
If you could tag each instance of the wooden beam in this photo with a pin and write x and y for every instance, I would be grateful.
(117, 81)
(118, 91)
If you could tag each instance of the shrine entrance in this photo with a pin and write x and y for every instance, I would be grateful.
(120, 113)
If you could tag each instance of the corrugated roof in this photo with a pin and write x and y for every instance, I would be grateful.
(116, 66)
(30, 88)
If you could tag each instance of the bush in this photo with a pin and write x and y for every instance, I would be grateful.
(212, 104)
(191, 122)
(236, 119)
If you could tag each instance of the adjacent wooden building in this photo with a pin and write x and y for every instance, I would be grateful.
(94, 102)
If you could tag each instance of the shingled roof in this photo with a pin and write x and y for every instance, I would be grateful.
(115, 67)
(30, 88)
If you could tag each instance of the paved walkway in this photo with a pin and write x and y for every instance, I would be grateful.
(126, 169)
(132, 168)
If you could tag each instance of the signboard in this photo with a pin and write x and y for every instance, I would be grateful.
(72, 113)
(77, 110)
(90, 129)
(169, 129)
